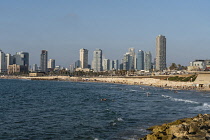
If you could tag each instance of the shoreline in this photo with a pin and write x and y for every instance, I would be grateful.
(145, 81)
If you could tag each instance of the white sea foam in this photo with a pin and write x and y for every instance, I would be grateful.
(205, 106)
(180, 100)
(119, 119)
(133, 90)
(114, 124)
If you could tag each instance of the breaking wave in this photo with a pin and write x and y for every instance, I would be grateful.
(180, 100)
(205, 106)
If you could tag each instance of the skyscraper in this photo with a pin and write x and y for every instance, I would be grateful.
(132, 62)
(43, 60)
(147, 61)
(160, 52)
(116, 64)
(111, 65)
(9, 59)
(77, 64)
(34, 68)
(126, 61)
(51, 64)
(97, 60)
(83, 58)
(140, 60)
(106, 64)
(3, 64)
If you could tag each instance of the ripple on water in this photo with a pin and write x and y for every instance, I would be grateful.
(68, 110)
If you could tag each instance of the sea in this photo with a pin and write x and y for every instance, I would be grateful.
(61, 110)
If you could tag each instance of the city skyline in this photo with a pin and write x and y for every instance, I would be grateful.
(132, 61)
(63, 27)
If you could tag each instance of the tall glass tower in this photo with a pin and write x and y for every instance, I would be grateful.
(140, 60)
(97, 60)
(132, 63)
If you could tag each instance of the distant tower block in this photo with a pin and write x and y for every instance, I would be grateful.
(160, 52)
(97, 60)
(43, 60)
(83, 58)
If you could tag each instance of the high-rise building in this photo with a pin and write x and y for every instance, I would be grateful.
(154, 64)
(9, 59)
(140, 60)
(132, 62)
(43, 60)
(147, 61)
(106, 64)
(22, 59)
(111, 65)
(51, 64)
(77, 64)
(3, 62)
(35, 68)
(116, 64)
(83, 58)
(126, 62)
(160, 52)
(97, 60)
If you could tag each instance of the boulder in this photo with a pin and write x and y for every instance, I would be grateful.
(193, 128)
(197, 128)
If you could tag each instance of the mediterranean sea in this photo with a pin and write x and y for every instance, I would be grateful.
(36, 110)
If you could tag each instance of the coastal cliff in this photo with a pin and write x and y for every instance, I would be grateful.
(196, 128)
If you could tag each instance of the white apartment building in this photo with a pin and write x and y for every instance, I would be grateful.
(83, 58)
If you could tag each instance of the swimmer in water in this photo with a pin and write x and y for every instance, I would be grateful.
(104, 99)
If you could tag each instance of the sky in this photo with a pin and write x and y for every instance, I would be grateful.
(64, 26)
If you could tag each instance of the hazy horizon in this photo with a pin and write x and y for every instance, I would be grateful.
(64, 27)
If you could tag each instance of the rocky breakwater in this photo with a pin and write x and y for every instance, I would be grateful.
(197, 128)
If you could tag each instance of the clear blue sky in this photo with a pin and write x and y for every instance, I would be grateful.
(64, 26)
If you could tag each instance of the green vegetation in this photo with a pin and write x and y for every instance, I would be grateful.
(184, 79)
(177, 67)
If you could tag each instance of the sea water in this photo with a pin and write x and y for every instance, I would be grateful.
(34, 110)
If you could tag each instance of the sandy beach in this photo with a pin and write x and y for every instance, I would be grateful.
(118, 80)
